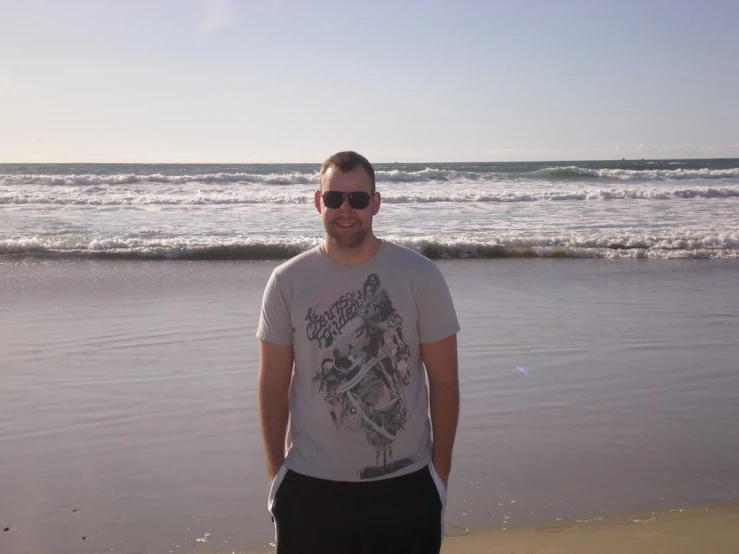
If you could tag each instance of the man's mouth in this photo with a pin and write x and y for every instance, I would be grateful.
(345, 224)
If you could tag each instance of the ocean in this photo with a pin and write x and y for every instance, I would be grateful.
(612, 209)
(599, 358)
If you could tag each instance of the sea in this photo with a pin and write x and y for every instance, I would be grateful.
(598, 351)
(607, 209)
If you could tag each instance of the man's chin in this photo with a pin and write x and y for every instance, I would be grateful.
(348, 241)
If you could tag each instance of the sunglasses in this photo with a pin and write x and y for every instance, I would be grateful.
(358, 200)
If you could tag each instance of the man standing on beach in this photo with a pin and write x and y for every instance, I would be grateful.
(346, 330)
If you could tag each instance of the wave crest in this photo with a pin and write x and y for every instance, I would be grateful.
(724, 245)
(87, 180)
(575, 172)
(127, 197)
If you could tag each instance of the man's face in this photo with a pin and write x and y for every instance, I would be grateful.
(347, 226)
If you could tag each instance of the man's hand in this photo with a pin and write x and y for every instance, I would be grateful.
(443, 474)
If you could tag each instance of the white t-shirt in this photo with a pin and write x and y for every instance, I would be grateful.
(358, 399)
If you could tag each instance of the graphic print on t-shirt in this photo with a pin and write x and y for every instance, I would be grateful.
(364, 369)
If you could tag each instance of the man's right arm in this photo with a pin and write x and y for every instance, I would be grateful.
(275, 373)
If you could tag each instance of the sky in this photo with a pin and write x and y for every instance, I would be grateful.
(282, 81)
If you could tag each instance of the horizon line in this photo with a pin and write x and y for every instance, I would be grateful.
(374, 162)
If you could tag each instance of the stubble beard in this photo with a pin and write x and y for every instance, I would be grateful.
(342, 240)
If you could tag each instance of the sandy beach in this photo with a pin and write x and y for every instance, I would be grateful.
(714, 530)
(128, 423)
(696, 531)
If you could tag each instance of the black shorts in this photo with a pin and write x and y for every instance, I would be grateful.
(401, 515)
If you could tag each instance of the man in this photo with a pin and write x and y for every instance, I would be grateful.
(345, 332)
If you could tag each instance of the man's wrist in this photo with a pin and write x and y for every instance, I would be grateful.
(273, 468)
(443, 470)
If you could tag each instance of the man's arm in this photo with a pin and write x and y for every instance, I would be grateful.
(275, 373)
(440, 359)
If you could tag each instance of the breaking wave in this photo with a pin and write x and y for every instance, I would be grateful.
(127, 197)
(698, 246)
(399, 176)
(574, 172)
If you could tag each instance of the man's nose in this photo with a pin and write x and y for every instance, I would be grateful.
(345, 207)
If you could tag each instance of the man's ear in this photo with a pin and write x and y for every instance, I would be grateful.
(317, 201)
(376, 203)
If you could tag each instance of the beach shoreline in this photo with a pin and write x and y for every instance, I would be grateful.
(694, 530)
(676, 531)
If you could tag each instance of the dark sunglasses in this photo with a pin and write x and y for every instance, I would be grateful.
(358, 200)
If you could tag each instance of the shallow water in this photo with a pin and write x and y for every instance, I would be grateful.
(127, 402)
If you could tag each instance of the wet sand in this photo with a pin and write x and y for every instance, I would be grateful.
(127, 404)
(712, 530)
(698, 531)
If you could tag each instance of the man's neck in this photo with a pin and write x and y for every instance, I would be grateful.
(355, 255)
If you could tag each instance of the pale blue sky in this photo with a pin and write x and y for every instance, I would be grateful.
(406, 80)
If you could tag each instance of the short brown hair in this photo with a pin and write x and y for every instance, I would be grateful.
(348, 161)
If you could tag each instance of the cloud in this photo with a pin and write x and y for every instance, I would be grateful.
(218, 15)
(644, 147)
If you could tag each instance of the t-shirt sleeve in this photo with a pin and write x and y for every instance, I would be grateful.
(274, 320)
(437, 318)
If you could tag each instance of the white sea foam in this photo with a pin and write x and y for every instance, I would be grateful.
(638, 175)
(722, 245)
(632, 193)
(384, 176)
(125, 196)
(126, 179)
(86, 180)
(455, 211)
(428, 174)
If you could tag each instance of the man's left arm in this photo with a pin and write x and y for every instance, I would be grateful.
(440, 359)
